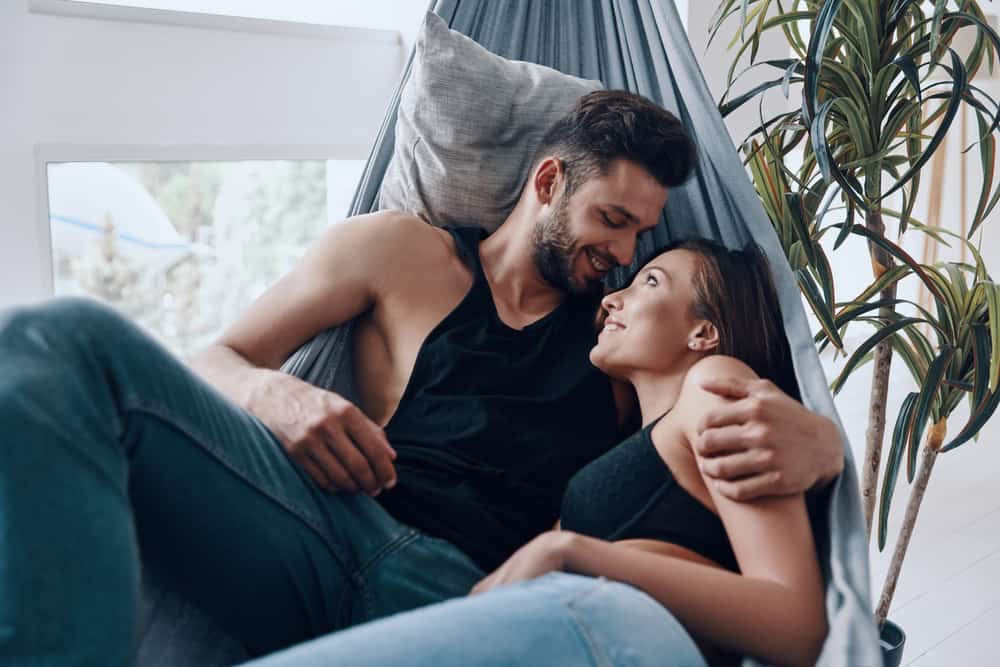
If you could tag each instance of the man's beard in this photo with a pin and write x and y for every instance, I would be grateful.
(555, 250)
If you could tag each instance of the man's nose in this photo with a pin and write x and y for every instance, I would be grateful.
(623, 250)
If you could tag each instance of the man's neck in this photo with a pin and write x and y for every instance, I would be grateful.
(508, 261)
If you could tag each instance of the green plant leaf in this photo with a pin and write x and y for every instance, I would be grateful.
(981, 363)
(787, 78)
(900, 255)
(909, 69)
(856, 309)
(904, 423)
(897, 11)
(866, 346)
(793, 201)
(774, 22)
(988, 160)
(724, 11)
(743, 19)
(976, 422)
(945, 303)
(959, 288)
(734, 104)
(824, 273)
(992, 293)
(888, 279)
(814, 55)
(827, 166)
(939, 7)
(933, 231)
(915, 361)
(958, 87)
(847, 226)
(922, 411)
(822, 310)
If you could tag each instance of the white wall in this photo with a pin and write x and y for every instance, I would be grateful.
(715, 60)
(99, 88)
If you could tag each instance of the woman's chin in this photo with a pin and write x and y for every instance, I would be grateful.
(607, 366)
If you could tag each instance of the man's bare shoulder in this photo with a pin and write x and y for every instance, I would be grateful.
(402, 237)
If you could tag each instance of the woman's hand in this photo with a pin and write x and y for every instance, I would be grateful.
(546, 553)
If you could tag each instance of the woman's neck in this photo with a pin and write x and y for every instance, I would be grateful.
(657, 393)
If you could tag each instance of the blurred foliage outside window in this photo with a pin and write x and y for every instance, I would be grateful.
(241, 226)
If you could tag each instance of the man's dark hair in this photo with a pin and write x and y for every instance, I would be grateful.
(608, 125)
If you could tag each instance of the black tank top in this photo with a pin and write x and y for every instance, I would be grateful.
(495, 421)
(630, 493)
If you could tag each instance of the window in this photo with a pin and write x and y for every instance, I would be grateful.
(183, 247)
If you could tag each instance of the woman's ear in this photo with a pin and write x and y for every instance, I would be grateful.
(547, 177)
(705, 338)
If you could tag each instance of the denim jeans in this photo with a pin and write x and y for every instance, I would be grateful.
(558, 619)
(114, 453)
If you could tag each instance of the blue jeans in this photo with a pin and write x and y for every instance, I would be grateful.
(558, 619)
(114, 453)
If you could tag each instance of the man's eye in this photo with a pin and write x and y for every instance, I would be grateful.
(609, 222)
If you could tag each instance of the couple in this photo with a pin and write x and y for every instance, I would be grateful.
(478, 406)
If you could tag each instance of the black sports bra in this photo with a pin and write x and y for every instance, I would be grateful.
(630, 493)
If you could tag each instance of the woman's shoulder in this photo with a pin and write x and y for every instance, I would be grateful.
(717, 366)
(694, 400)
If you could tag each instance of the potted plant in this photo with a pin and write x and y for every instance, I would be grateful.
(877, 85)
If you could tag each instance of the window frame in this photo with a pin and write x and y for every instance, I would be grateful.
(175, 17)
(57, 153)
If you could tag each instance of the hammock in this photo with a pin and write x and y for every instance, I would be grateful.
(640, 45)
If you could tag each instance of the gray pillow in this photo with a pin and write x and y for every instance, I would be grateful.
(468, 125)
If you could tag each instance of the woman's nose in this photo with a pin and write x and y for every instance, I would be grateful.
(612, 301)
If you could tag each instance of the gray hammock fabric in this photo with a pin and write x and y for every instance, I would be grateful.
(638, 45)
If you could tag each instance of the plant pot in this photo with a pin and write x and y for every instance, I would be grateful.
(892, 638)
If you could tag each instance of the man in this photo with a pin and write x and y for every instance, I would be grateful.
(477, 403)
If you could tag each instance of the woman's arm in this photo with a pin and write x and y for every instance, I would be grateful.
(763, 617)
(774, 607)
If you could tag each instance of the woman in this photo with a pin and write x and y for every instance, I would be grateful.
(737, 578)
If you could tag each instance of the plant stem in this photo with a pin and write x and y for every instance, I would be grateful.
(875, 434)
(934, 440)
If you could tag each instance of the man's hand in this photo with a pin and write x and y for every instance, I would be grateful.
(546, 553)
(764, 442)
(330, 437)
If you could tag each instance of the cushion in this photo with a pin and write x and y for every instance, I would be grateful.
(468, 125)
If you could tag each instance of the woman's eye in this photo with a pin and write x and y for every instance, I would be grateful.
(651, 279)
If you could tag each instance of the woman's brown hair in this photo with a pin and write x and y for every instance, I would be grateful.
(734, 290)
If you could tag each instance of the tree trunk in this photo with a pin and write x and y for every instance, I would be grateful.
(934, 440)
(875, 434)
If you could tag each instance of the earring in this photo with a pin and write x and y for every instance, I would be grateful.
(692, 345)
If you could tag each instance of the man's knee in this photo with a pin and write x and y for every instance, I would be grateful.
(54, 326)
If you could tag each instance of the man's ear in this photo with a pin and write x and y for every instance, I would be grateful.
(705, 337)
(547, 178)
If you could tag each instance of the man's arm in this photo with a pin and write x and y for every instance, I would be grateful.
(341, 276)
(765, 442)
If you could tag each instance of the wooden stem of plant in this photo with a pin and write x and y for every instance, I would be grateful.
(875, 434)
(934, 440)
